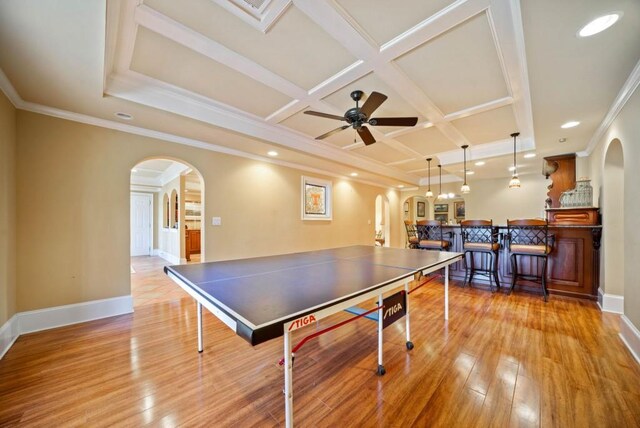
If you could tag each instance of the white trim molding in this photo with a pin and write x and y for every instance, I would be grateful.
(9, 333)
(610, 302)
(59, 316)
(170, 257)
(630, 336)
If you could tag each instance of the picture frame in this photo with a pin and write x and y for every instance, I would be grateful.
(420, 209)
(316, 199)
(441, 208)
(441, 217)
(406, 208)
(459, 209)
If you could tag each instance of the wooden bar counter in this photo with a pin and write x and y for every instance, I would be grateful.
(573, 265)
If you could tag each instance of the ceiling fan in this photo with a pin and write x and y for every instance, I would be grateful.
(358, 116)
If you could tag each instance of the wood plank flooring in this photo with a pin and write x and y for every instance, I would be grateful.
(499, 361)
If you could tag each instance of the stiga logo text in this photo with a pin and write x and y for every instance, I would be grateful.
(301, 322)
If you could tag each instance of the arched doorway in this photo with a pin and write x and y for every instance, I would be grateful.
(383, 228)
(167, 225)
(612, 203)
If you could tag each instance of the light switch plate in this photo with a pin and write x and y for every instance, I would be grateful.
(216, 221)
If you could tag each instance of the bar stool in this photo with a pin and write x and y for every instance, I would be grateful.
(479, 236)
(529, 237)
(430, 236)
(412, 234)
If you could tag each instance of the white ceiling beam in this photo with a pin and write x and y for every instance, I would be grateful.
(481, 108)
(176, 100)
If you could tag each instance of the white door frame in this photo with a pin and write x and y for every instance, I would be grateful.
(148, 196)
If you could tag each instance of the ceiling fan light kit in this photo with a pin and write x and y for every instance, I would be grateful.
(357, 117)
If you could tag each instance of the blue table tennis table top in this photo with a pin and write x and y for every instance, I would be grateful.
(263, 293)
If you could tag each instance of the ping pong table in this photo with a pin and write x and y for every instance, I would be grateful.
(267, 297)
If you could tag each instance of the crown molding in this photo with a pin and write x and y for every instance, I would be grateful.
(629, 87)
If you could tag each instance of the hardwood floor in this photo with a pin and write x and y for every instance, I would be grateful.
(150, 285)
(499, 361)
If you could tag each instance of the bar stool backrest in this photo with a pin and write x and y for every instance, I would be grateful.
(533, 231)
(430, 230)
(477, 232)
(412, 232)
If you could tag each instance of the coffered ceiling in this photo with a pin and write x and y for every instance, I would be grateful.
(228, 76)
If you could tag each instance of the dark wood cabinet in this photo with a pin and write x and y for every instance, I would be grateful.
(192, 243)
(573, 266)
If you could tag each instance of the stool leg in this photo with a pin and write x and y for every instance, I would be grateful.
(544, 279)
(466, 269)
(473, 267)
(495, 270)
(514, 272)
(490, 267)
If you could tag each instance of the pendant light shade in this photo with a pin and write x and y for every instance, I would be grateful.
(429, 193)
(465, 187)
(515, 181)
(441, 195)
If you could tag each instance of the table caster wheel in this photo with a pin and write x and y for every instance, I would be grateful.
(409, 346)
(381, 370)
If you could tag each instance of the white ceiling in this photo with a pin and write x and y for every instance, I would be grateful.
(154, 173)
(206, 73)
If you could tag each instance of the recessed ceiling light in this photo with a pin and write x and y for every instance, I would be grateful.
(272, 153)
(451, 195)
(530, 155)
(400, 186)
(354, 174)
(470, 172)
(570, 124)
(562, 140)
(599, 24)
(480, 163)
(134, 170)
(122, 115)
(512, 168)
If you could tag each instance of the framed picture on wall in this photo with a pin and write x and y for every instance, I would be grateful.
(316, 199)
(441, 217)
(458, 209)
(441, 208)
(420, 211)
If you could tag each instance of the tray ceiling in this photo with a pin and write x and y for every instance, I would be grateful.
(209, 74)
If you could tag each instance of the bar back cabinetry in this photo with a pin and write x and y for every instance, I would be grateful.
(574, 264)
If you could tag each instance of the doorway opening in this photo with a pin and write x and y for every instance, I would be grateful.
(167, 209)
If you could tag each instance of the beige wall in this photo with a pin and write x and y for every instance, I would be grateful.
(626, 128)
(492, 199)
(73, 196)
(7, 209)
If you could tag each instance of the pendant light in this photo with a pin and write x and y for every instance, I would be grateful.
(465, 187)
(429, 193)
(441, 195)
(515, 181)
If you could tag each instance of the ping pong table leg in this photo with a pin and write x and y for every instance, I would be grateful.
(381, 369)
(288, 379)
(446, 292)
(199, 312)
(408, 324)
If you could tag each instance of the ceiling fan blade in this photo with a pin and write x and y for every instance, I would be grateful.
(366, 136)
(393, 121)
(373, 102)
(330, 133)
(326, 115)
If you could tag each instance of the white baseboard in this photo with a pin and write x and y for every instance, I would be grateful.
(169, 257)
(630, 336)
(155, 252)
(610, 302)
(44, 319)
(8, 334)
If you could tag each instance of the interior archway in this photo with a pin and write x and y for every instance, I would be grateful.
(170, 193)
(612, 200)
